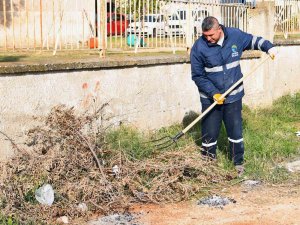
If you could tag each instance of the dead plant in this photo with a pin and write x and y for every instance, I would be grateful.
(69, 152)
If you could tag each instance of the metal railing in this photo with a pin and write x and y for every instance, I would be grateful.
(167, 24)
(46, 24)
(129, 25)
(287, 17)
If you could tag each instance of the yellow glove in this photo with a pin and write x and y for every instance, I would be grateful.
(220, 100)
(272, 52)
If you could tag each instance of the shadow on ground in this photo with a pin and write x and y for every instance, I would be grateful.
(195, 132)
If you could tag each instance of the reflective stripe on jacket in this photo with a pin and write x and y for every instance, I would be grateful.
(216, 68)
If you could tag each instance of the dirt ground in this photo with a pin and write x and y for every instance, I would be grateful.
(259, 205)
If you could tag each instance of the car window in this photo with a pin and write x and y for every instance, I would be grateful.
(149, 19)
(200, 15)
(108, 18)
(113, 17)
(174, 17)
(182, 15)
(160, 18)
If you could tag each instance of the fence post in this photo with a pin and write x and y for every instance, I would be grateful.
(13, 23)
(41, 23)
(102, 34)
(4, 24)
(27, 23)
(189, 28)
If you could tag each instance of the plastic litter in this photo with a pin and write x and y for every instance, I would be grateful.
(298, 133)
(82, 207)
(45, 195)
(116, 170)
(132, 40)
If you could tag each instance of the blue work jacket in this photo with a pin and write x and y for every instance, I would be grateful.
(216, 68)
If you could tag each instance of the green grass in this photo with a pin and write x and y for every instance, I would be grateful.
(130, 141)
(291, 36)
(269, 137)
(66, 56)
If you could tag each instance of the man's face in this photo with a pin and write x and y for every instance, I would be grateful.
(213, 35)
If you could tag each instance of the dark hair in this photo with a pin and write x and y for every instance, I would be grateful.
(208, 23)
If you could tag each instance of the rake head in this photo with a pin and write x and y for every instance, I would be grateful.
(166, 141)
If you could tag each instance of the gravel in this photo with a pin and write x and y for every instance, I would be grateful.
(116, 219)
(215, 201)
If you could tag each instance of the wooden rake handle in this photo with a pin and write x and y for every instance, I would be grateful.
(224, 95)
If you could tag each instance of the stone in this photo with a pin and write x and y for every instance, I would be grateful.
(293, 166)
(63, 220)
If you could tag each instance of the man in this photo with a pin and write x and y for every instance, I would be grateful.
(215, 64)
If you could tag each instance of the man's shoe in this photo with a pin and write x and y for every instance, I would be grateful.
(240, 169)
(207, 158)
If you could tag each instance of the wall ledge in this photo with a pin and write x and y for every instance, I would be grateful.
(17, 69)
(286, 42)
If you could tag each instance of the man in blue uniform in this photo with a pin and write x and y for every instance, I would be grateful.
(215, 65)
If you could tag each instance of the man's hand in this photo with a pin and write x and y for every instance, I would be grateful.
(219, 99)
(272, 53)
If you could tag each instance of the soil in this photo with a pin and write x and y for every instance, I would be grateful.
(256, 205)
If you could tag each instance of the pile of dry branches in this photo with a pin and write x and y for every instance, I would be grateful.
(69, 152)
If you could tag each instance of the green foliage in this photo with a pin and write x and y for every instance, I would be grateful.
(140, 7)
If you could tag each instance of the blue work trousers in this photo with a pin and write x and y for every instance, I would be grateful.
(231, 114)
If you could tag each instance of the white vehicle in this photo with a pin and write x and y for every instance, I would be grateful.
(250, 3)
(177, 24)
(148, 25)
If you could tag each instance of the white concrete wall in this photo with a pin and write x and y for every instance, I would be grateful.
(274, 79)
(145, 97)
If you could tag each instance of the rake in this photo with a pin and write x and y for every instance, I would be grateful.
(167, 141)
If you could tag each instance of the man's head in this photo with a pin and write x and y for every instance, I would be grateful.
(211, 29)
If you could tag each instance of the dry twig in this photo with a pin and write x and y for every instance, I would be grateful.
(69, 156)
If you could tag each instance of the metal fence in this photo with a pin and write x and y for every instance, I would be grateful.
(128, 24)
(287, 17)
(45, 24)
